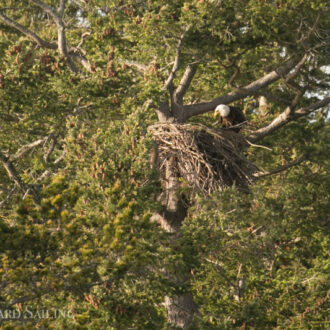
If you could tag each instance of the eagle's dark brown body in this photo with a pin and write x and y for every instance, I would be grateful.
(234, 117)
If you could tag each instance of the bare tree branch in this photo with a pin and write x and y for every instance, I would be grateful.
(297, 68)
(185, 83)
(234, 65)
(26, 148)
(48, 9)
(40, 42)
(169, 82)
(139, 66)
(7, 162)
(62, 44)
(272, 97)
(311, 30)
(286, 116)
(82, 60)
(83, 37)
(70, 55)
(299, 94)
(233, 77)
(307, 110)
(281, 168)
(48, 172)
(53, 140)
(8, 196)
(299, 91)
(61, 8)
(11, 171)
(165, 112)
(250, 89)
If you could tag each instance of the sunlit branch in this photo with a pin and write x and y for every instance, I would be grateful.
(61, 8)
(39, 41)
(239, 93)
(297, 68)
(82, 60)
(48, 172)
(185, 83)
(11, 171)
(62, 44)
(169, 82)
(83, 37)
(70, 55)
(26, 148)
(286, 116)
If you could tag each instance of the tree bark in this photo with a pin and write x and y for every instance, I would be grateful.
(180, 308)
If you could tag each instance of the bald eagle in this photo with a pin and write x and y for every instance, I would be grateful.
(229, 116)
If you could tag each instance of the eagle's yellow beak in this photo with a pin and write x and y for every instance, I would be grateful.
(216, 114)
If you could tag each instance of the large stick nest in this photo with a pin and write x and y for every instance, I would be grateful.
(207, 159)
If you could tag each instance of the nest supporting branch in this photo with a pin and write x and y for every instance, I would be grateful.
(207, 159)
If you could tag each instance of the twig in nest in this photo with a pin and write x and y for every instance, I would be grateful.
(207, 159)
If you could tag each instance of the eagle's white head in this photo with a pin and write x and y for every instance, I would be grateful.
(222, 110)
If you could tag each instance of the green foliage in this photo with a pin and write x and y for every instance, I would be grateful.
(90, 246)
(87, 245)
(275, 238)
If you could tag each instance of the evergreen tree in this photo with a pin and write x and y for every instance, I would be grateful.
(80, 83)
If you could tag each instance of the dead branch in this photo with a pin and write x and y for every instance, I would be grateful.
(83, 37)
(11, 171)
(47, 173)
(297, 68)
(82, 60)
(169, 82)
(71, 55)
(3, 202)
(233, 64)
(233, 77)
(61, 38)
(281, 168)
(311, 31)
(250, 89)
(139, 66)
(26, 148)
(286, 116)
(53, 141)
(61, 8)
(185, 83)
(272, 97)
(39, 41)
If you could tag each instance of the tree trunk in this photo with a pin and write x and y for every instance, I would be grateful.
(180, 308)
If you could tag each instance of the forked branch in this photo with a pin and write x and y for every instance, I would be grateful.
(57, 17)
(200, 108)
(169, 81)
(71, 56)
(286, 116)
